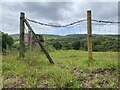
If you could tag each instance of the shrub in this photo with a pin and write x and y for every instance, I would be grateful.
(7, 41)
(57, 45)
(76, 45)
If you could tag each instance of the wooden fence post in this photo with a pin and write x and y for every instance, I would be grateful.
(89, 34)
(22, 17)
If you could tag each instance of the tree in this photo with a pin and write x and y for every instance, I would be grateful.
(104, 44)
(66, 45)
(76, 45)
(6, 41)
(83, 44)
(57, 45)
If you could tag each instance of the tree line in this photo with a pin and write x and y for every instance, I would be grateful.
(99, 44)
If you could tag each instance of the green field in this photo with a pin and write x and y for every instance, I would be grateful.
(71, 70)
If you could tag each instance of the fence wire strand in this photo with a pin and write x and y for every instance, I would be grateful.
(102, 21)
(98, 22)
(51, 25)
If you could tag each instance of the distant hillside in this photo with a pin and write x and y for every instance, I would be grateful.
(46, 36)
(83, 36)
(50, 36)
(67, 37)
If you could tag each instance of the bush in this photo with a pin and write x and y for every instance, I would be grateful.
(67, 46)
(76, 45)
(16, 45)
(7, 41)
(84, 44)
(105, 44)
(57, 45)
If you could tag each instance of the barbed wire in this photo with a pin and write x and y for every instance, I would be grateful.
(102, 21)
(99, 22)
(45, 24)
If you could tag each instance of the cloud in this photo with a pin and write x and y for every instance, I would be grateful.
(54, 12)
(47, 10)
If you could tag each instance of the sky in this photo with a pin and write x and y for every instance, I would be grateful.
(59, 13)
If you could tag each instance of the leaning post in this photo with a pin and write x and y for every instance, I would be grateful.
(89, 34)
(22, 17)
(40, 43)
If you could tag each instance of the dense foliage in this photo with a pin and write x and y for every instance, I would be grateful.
(106, 44)
(7, 41)
(57, 45)
(76, 45)
(100, 44)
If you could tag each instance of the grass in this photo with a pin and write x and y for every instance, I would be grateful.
(71, 70)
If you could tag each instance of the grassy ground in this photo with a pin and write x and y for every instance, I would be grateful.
(71, 70)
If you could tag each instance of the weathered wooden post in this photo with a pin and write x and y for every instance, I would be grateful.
(22, 17)
(89, 34)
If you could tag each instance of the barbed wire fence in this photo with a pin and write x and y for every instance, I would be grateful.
(99, 22)
(90, 22)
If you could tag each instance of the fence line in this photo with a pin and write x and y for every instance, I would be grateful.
(98, 22)
(45, 24)
(88, 20)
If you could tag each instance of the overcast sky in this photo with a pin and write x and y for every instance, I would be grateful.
(56, 13)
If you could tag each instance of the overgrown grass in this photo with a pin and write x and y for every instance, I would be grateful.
(70, 70)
